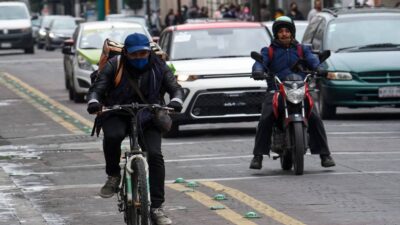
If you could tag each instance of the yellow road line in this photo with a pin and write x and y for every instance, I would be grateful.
(207, 201)
(254, 203)
(43, 109)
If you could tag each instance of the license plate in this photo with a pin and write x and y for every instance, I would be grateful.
(389, 92)
(5, 45)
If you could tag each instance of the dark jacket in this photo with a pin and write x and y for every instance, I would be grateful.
(154, 82)
(283, 59)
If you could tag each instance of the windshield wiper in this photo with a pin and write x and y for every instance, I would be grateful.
(185, 59)
(347, 48)
(90, 48)
(380, 45)
(229, 56)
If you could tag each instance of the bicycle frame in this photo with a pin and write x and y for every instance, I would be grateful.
(126, 193)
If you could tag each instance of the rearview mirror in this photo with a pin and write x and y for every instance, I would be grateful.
(67, 47)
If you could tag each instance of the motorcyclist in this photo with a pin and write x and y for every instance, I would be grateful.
(285, 55)
(154, 78)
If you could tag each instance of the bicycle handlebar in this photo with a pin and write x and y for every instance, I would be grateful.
(135, 106)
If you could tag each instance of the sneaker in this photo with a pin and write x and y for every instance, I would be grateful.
(158, 216)
(111, 187)
(256, 162)
(327, 161)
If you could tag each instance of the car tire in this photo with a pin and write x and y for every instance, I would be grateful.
(74, 96)
(325, 110)
(173, 132)
(30, 50)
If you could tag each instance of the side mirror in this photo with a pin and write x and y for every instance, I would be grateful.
(67, 47)
(256, 56)
(324, 55)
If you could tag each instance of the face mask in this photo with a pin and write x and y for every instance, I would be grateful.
(138, 63)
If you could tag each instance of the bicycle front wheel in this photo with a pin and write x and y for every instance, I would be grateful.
(138, 212)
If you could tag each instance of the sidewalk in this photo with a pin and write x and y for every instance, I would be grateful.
(15, 209)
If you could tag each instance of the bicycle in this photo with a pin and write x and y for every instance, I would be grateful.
(134, 191)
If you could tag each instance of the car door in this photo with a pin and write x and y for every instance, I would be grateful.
(165, 40)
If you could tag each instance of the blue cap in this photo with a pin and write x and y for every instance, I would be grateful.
(137, 42)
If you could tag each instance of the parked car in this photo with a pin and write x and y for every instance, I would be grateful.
(36, 20)
(82, 53)
(301, 26)
(16, 27)
(58, 31)
(212, 63)
(363, 69)
(125, 18)
(44, 24)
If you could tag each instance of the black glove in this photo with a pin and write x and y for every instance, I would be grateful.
(258, 75)
(94, 107)
(175, 105)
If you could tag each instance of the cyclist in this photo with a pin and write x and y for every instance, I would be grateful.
(153, 79)
(285, 55)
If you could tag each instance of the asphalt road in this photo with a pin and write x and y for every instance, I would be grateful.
(51, 169)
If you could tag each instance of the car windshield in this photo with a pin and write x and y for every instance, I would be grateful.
(64, 24)
(218, 43)
(13, 12)
(141, 21)
(300, 29)
(94, 38)
(348, 33)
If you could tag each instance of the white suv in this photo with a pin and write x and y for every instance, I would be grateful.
(212, 63)
(15, 27)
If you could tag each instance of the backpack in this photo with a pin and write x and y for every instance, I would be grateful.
(299, 52)
(111, 49)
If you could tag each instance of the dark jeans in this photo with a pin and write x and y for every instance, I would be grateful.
(115, 129)
(318, 140)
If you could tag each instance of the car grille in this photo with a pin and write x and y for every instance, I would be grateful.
(380, 77)
(11, 31)
(228, 104)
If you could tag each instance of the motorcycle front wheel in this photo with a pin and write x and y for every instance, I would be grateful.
(299, 147)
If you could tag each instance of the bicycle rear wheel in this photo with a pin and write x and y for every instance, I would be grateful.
(138, 212)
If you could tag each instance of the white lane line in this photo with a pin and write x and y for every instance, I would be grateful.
(62, 187)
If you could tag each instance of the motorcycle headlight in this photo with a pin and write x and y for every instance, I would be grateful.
(339, 76)
(84, 64)
(295, 95)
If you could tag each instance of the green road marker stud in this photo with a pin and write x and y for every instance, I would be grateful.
(219, 197)
(180, 180)
(251, 215)
(217, 207)
(192, 184)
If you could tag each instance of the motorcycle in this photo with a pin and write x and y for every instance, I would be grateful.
(292, 105)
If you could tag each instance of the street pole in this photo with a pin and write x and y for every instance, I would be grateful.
(100, 10)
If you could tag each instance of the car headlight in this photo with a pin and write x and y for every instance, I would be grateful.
(42, 32)
(295, 95)
(52, 35)
(186, 77)
(84, 64)
(339, 76)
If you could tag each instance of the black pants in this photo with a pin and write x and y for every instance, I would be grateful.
(318, 140)
(115, 129)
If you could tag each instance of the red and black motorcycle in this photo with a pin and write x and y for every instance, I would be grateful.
(292, 105)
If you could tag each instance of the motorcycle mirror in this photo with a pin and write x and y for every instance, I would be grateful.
(324, 55)
(256, 56)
